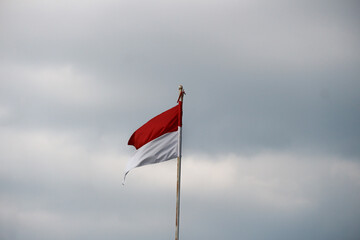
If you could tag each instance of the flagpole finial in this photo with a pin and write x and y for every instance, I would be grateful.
(181, 93)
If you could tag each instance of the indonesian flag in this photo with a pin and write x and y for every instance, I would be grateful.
(157, 140)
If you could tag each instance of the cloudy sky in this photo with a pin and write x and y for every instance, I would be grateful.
(271, 137)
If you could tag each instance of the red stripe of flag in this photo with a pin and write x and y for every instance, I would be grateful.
(166, 122)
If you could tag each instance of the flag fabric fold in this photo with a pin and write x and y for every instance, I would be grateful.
(157, 140)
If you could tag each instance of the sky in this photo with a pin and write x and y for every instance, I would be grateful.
(271, 134)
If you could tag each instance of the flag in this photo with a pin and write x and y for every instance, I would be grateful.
(157, 140)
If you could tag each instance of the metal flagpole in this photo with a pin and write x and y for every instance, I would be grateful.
(177, 223)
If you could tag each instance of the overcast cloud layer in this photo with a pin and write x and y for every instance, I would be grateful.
(271, 118)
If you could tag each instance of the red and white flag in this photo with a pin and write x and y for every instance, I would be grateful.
(158, 140)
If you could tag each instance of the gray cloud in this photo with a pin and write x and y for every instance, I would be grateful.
(77, 78)
(277, 75)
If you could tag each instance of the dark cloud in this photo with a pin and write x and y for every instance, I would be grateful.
(77, 78)
(276, 76)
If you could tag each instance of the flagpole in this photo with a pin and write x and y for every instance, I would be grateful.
(177, 222)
